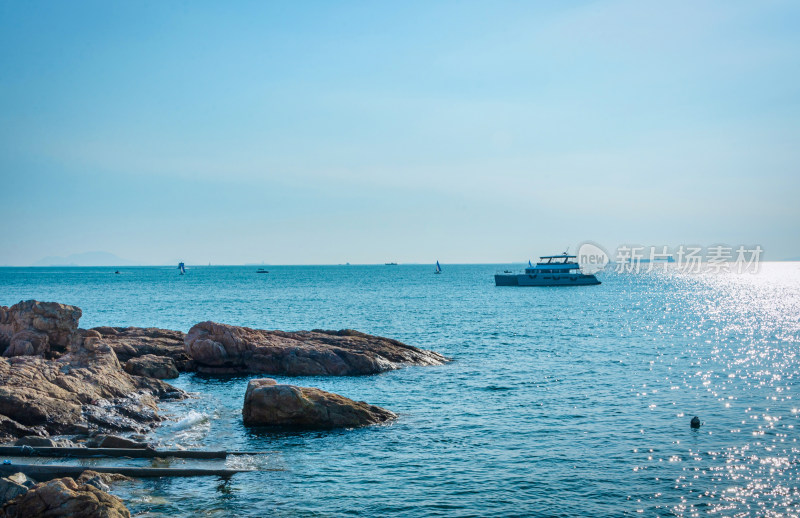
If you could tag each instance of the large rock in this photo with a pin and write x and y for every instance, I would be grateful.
(85, 387)
(222, 348)
(268, 404)
(28, 343)
(134, 342)
(12, 487)
(10, 429)
(35, 440)
(33, 327)
(65, 497)
(152, 366)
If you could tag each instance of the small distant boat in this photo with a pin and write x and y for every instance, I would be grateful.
(438, 268)
(551, 270)
(182, 268)
(117, 271)
(390, 264)
(262, 270)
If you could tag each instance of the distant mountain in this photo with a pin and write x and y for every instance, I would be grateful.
(86, 259)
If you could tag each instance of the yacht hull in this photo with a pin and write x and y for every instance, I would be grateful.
(524, 279)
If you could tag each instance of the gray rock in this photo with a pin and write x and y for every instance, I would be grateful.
(98, 483)
(10, 489)
(114, 441)
(35, 441)
(22, 479)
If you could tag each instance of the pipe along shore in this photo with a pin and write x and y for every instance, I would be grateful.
(41, 472)
(139, 453)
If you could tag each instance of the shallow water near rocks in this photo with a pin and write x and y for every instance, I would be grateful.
(559, 402)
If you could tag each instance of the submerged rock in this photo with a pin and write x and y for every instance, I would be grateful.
(222, 348)
(267, 403)
(65, 497)
(114, 441)
(135, 342)
(101, 481)
(152, 366)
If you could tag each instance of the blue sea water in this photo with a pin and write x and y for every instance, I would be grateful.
(558, 401)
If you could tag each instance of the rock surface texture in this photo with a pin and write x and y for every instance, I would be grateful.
(134, 342)
(267, 403)
(81, 390)
(33, 327)
(65, 497)
(151, 366)
(114, 441)
(222, 348)
(12, 487)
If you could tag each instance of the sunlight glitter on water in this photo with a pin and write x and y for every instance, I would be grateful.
(559, 402)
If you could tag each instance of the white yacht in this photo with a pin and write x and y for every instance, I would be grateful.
(551, 270)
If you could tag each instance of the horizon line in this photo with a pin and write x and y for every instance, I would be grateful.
(195, 265)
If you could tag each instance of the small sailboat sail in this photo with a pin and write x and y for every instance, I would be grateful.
(182, 268)
(438, 267)
(529, 264)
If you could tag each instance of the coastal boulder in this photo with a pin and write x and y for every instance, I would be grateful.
(28, 343)
(222, 348)
(85, 387)
(267, 403)
(9, 429)
(151, 366)
(65, 497)
(11, 487)
(134, 342)
(37, 327)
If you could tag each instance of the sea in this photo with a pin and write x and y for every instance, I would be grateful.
(557, 402)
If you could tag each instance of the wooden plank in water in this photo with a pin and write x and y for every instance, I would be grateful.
(41, 472)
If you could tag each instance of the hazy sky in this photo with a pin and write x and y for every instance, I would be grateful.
(325, 132)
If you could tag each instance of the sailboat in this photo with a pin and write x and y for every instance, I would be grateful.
(182, 268)
(438, 267)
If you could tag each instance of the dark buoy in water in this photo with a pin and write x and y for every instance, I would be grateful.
(695, 422)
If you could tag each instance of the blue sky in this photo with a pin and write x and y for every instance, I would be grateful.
(326, 132)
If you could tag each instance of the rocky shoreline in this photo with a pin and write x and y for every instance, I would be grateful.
(57, 379)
